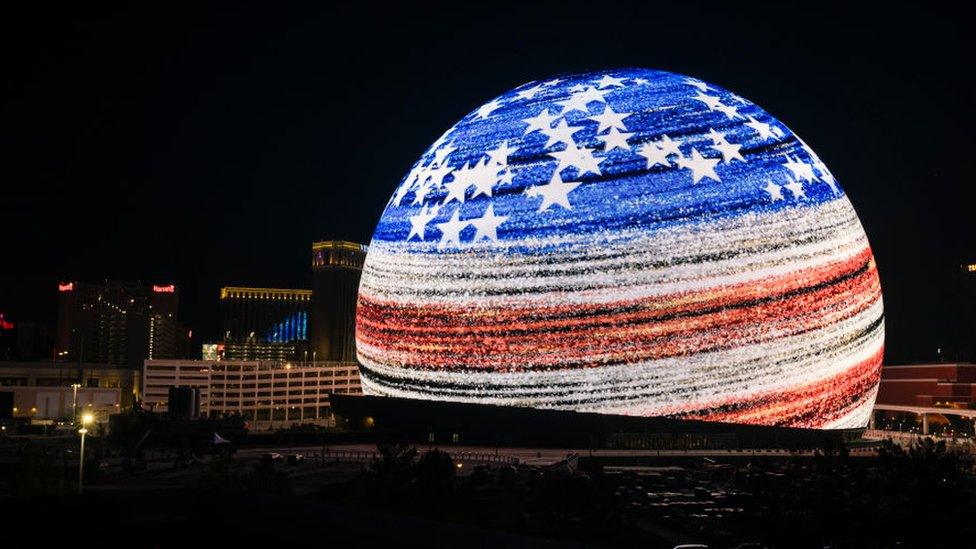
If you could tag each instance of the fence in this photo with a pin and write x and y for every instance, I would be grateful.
(363, 456)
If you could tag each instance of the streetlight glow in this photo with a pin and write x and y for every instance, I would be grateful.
(86, 419)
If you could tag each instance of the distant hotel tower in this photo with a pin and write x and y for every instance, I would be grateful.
(967, 327)
(336, 268)
(119, 323)
(264, 323)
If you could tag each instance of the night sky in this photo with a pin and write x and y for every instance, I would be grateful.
(210, 147)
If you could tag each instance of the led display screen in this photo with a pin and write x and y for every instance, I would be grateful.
(627, 242)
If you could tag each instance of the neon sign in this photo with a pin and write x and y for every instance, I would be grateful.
(164, 289)
(66, 287)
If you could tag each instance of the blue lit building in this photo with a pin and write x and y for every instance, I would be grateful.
(264, 323)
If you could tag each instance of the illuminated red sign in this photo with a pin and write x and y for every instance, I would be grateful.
(66, 287)
(164, 289)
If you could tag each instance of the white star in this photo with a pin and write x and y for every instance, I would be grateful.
(654, 154)
(457, 188)
(422, 187)
(608, 81)
(730, 151)
(577, 88)
(552, 82)
(418, 223)
(715, 136)
(409, 183)
(697, 83)
(669, 146)
(610, 119)
(801, 170)
(451, 230)
(580, 158)
(594, 94)
(796, 188)
(712, 102)
(487, 225)
(541, 122)
(562, 133)
(441, 154)
(641, 81)
(555, 192)
(774, 190)
(730, 111)
(488, 108)
(765, 130)
(578, 101)
(483, 176)
(437, 174)
(500, 155)
(422, 193)
(700, 166)
(529, 93)
(615, 140)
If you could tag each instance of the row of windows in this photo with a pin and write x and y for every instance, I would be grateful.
(278, 384)
(282, 374)
(268, 403)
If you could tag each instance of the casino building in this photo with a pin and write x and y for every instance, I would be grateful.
(269, 394)
(336, 268)
(264, 323)
(950, 385)
(119, 323)
(966, 331)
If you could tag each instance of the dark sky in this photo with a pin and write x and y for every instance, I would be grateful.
(210, 146)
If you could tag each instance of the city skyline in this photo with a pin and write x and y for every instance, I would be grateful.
(205, 154)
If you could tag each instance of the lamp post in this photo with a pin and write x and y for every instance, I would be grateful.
(74, 402)
(86, 420)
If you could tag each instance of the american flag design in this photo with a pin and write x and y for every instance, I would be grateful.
(627, 241)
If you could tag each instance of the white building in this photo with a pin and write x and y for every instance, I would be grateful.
(267, 394)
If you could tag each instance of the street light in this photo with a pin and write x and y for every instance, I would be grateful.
(74, 402)
(86, 420)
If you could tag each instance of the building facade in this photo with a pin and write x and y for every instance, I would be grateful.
(268, 394)
(336, 269)
(928, 385)
(264, 323)
(118, 323)
(967, 325)
(45, 390)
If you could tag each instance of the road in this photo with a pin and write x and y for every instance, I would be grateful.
(525, 456)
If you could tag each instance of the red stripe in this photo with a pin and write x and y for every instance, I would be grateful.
(447, 337)
(811, 405)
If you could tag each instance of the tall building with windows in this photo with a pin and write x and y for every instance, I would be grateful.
(118, 323)
(264, 323)
(336, 268)
(967, 326)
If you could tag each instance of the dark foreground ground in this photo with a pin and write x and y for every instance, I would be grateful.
(922, 496)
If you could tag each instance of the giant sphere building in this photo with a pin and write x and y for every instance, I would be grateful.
(628, 242)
